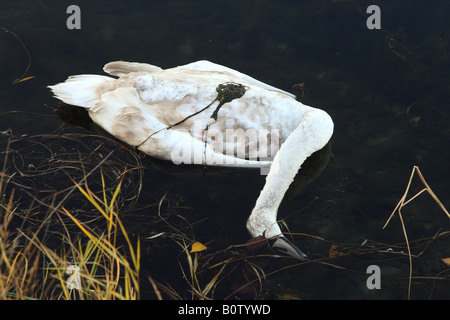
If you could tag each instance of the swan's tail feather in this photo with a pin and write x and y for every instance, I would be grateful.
(83, 90)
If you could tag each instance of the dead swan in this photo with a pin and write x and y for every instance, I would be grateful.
(205, 113)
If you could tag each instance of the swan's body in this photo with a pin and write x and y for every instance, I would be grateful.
(160, 112)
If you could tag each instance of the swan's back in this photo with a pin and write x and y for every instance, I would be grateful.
(160, 112)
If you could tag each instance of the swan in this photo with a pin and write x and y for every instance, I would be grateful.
(206, 113)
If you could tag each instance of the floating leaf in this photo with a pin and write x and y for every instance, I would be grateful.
(415, 121)
(197, 247)
(333, 252)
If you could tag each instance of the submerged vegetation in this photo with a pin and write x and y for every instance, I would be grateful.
(56, 254)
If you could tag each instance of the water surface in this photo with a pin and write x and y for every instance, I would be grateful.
(387, 91)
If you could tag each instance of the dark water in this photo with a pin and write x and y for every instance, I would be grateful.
(387, 91)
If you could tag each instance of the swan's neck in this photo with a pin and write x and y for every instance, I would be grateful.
(311, 135)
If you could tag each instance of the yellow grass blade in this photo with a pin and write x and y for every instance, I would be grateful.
(85, 231)
(23, 79)
(88, 195)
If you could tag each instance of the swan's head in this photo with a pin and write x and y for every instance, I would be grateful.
(280, 243)
(266, 232)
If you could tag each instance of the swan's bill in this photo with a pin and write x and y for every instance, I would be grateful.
(283, 245)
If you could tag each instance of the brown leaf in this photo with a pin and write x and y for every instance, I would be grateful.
(333, 252)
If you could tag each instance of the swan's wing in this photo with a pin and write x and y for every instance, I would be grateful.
(117, 68)
(207, 66)
(122, 113)
(183, 100)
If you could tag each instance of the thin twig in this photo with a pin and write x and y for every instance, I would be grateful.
(22, 78)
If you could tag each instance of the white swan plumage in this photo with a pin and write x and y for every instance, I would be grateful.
(165, 114)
